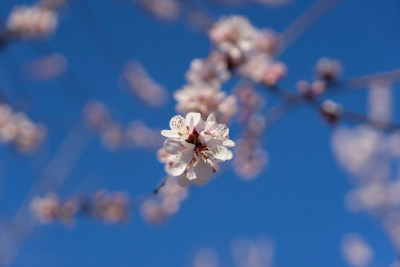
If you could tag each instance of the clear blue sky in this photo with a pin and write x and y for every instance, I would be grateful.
(297, 201)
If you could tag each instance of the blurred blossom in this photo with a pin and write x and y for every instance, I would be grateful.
(212, 71)
(233, 35)
(264, 69)
(32, 22)
(265, 40)
(113, 135)
(96, 114)
(328, 69)
(48, 209)
(196, 147)
(249, 102)
(206, 257)
(249, 161)
(355, 148)
(152, 211)
(249, 253)
(356, 251)
(48, 67)
(51, 4)
(140, 83)
(111, 208)
(161, 9)
(380, 101)
(137, 134)
(248, 48)
(250, 158)
(17, 129)
(311, 90)
(370, 155)
(206, 100)
(168, 201)
(331, 111)
(107, 207)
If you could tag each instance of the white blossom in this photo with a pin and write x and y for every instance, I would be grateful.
(194, 147)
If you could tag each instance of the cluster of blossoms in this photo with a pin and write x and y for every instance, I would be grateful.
(327, 71)
(110, 208)
(203, 92)
(194, 148)
(48, 209)
(31, 22)
(113, 135)
(141, 85)
(250, 158)
(17, 129)
(168, 202)
(248, 49)
(48, 67)
(369, 156)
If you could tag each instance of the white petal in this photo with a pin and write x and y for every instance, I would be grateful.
(190, 172)
(223, 153)
(202, 170)
(177, 123)
(192, 119)
(176, 169)
(211, 118)
(173, 146)
(206, 139)
(222, 131)
(169, 133)
(183, 181)
(228, 143)
(187, 153)
(199, 181)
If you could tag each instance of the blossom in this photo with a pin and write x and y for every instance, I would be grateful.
(17, 129)
(32, 22)
(194, 147)
(48, 209)
(206, 100)
(233, 35)
(328, 69)
(263, 68)
(212, 70)
(142, 85)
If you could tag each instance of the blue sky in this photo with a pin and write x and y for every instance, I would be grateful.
(297, 202)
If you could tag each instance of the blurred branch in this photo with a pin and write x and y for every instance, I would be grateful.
(97, 35)
(302, 23)
(52, 177)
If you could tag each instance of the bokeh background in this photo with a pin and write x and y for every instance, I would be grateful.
(297, 202)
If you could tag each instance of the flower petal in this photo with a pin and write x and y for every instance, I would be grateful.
(202, 170)
(177, 123)
(228, 143)
(176, 168)
(222, 153)
(192, 119)
(173, 146)
(170, 134)
(187, 153)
